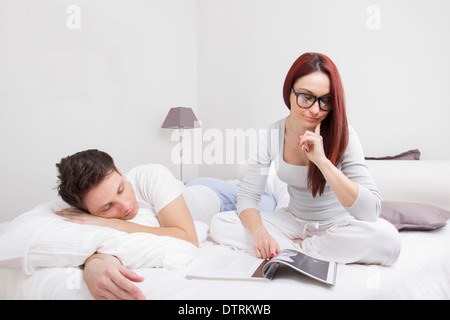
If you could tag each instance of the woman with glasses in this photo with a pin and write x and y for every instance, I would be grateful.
(334, 202)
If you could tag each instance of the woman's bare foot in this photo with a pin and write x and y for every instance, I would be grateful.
(299, 241)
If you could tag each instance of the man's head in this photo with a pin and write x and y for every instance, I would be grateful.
(90, 181)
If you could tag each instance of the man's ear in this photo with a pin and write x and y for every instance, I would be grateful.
(119, 171)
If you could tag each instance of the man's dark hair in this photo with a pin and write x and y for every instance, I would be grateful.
(80, 172)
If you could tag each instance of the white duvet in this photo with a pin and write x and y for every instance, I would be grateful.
(39, 238)
(421, 272)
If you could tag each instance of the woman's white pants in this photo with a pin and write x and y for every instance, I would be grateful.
(343, 240)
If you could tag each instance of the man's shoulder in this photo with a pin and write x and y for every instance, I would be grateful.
(147, 169)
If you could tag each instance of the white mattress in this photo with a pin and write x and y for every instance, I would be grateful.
(421, 272)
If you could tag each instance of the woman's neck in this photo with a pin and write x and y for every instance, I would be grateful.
(293, 129)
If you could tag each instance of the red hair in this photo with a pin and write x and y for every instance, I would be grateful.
(334, 129)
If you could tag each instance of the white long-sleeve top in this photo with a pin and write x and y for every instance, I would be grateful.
(302, 204)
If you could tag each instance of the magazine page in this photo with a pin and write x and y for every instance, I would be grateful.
(229, 266)
(321, 270)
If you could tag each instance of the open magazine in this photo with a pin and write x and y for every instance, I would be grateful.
(246, 267)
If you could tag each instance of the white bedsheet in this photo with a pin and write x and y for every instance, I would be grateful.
(421, 272)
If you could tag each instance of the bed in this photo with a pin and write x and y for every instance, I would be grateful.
(421, 272)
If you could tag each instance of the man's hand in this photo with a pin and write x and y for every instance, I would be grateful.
(80, 217)
(108, 279)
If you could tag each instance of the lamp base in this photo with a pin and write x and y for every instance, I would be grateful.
(181, 154)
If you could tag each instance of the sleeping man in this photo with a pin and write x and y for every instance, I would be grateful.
(101, 194)
(148, 196)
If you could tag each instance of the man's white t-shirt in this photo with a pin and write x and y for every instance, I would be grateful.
(155, 187)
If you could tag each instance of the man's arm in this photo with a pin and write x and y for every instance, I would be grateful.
(175, 220)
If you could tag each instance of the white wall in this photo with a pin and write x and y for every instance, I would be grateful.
(109, 84)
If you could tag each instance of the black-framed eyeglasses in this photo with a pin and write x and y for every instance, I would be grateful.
(306, 101)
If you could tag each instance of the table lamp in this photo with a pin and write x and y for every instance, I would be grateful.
(181, 118)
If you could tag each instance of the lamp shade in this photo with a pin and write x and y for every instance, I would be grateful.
(180, 117)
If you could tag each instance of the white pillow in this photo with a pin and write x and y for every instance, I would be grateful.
(40, 238)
